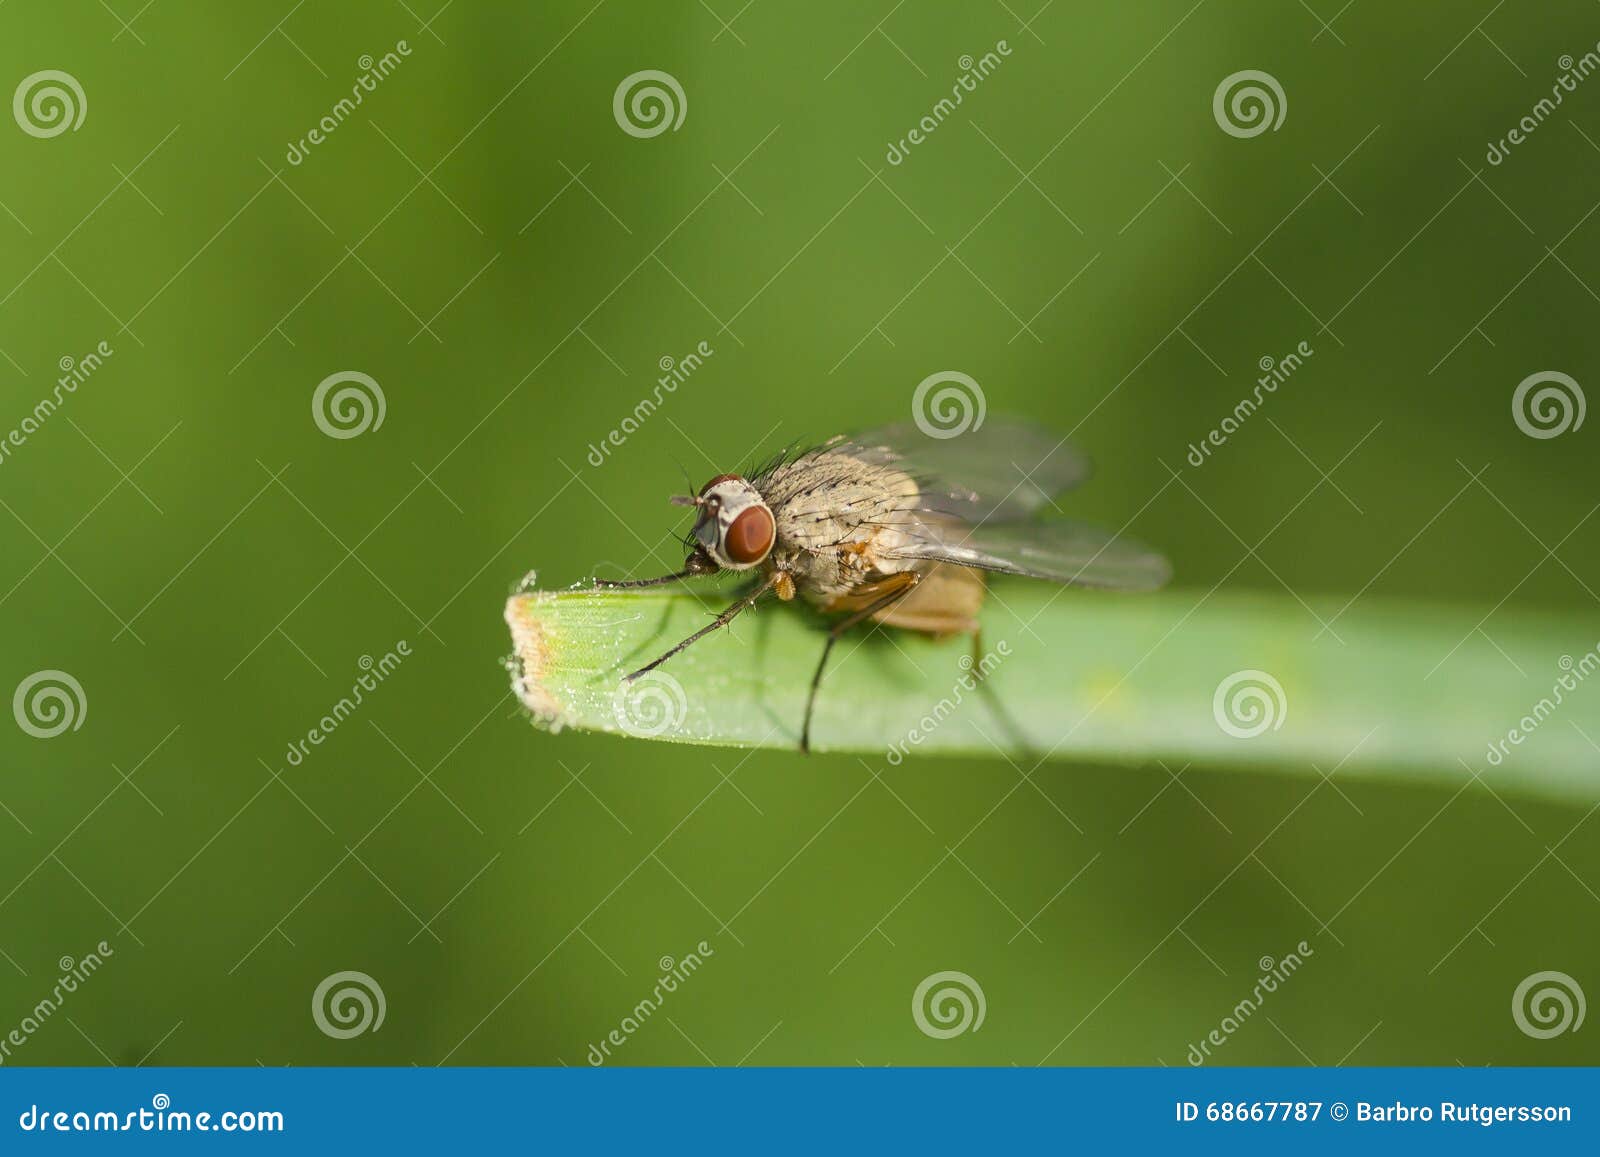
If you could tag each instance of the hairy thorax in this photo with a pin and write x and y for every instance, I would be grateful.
(839, 523)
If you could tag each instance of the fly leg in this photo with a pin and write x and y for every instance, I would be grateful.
(722, 620)
(834, 632)
(634, 584)
(977, 652)
(698, 563)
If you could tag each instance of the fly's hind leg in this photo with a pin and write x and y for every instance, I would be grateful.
(840, 628)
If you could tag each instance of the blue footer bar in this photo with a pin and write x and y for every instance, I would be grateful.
(707, 1111)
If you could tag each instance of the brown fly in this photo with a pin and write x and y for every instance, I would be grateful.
(899, 527)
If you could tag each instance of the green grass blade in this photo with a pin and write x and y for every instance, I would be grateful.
(1406, 691)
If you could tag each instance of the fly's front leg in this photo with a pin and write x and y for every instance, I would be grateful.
(698, 563)
(840, 628)
(721, 620)
(635, 584)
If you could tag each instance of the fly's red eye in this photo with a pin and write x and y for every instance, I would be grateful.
(719, 479)
(750, 537)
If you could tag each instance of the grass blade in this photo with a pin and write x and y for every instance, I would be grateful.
(1403, 691)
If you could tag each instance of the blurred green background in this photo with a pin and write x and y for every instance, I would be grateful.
(482, 239)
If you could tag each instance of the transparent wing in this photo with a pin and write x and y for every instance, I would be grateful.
(1060, 551)
(1000, 472)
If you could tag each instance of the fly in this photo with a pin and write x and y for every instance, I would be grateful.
(900, 528)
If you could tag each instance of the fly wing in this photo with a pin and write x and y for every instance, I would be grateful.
(1060, 551)
(1002, 471)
